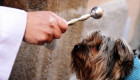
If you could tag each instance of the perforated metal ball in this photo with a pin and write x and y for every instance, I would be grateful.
(96, 12)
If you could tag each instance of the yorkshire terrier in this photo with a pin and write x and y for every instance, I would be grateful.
(100, 57)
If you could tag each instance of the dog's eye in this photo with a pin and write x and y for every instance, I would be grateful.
(97, 47)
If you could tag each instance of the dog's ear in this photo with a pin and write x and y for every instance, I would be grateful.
(122, 50)
(96, 42)
(124, 57)
(98, 39)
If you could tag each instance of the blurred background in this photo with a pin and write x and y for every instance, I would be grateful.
(52, 61)
(121, 19)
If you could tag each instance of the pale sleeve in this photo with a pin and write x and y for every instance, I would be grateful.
(12, 28)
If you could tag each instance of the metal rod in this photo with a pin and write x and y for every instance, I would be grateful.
(96, 13)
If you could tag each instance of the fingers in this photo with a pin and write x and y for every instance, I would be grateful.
(46, 37)
(56, 30)
(62, 23)
(44, 26)
(50, 38)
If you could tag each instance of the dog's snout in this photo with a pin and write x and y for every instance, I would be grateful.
(76, 47)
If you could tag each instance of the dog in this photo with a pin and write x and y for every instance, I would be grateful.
(101, 57)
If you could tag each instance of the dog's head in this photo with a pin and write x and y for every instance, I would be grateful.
(99, 57)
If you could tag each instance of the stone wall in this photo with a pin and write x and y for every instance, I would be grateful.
(50, 61)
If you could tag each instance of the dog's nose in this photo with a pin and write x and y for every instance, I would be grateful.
(76, 47)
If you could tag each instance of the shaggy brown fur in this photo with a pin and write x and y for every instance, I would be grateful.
(99, 57)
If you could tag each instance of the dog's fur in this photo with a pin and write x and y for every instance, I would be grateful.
(99, 57)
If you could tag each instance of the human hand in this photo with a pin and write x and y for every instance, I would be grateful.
(43, 26)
